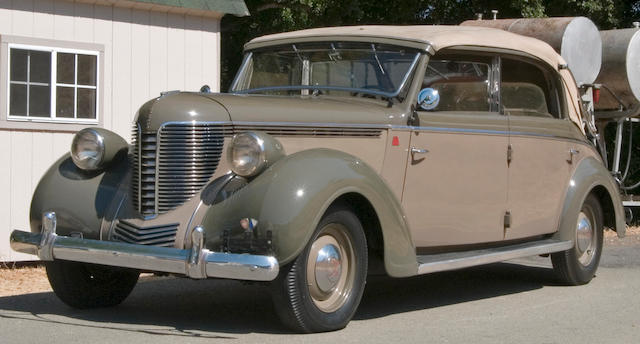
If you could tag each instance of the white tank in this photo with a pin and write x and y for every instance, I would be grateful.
(577, 39)
(620, 68)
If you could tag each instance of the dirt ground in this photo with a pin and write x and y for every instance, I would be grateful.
(21, 279)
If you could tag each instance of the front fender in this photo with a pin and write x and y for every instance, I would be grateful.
(80, 199)
(290, 197)
(590, 176)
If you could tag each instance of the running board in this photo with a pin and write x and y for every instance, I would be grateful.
(458, 260)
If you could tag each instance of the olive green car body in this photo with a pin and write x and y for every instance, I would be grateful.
(290, 197)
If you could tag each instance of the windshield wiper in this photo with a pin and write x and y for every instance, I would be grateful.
(375, 54)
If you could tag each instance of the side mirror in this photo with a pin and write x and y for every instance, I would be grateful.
(205, 89)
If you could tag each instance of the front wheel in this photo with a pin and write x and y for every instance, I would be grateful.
(81, 285)
(578, 265)
(321, 290)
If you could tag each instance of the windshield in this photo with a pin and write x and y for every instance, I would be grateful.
(327, 68)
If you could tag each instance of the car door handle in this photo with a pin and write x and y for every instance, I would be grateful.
(415, 151)
(572, 153)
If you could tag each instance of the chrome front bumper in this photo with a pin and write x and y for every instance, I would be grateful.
(196, 262)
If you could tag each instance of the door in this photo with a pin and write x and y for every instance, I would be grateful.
(455, 190)
(541, 157)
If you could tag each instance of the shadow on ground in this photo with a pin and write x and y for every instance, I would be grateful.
(220, 309)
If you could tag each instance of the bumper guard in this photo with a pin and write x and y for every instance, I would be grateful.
(197, 262)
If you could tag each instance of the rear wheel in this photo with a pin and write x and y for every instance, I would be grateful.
(81, 285)
(321, 290)
(578, 265)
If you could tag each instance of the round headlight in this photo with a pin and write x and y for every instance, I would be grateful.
(246, 154)
(87, 149)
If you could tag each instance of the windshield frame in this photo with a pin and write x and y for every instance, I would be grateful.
(248, 56)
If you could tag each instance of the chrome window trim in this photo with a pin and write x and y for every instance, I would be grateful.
(236, 79)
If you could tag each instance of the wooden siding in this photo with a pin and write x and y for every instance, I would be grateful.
(145, 52)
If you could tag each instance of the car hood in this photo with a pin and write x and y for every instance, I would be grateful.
(232, 108)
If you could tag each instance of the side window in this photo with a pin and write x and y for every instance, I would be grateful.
(527, 90)
(456, 84)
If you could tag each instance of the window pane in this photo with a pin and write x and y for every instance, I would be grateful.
(458, 86)
(40, 101)
(40, 66)
(65, 102)
(524, 90)
(66, 68)
(87, 70)
(86, 103)
(18, 100)
(19, 65)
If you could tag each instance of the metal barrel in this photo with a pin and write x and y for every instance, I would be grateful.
(576, 39)
(620, 68)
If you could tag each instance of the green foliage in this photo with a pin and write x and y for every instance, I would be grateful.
(271, 16)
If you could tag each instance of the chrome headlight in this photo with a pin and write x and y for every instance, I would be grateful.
(94, 148)
(87, 149)
(251, 152)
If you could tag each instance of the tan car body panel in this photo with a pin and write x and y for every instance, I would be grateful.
(540, 145)
(446, 202)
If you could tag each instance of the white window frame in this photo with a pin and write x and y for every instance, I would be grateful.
(54, 84)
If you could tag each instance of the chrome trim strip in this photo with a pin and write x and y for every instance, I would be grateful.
(488, 131)
(195, 262)
(459, 260)
(461, 130)
(313, 124)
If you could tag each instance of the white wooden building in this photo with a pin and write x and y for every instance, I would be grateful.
(65, 65)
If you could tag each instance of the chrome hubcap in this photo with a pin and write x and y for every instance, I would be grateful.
(585, 239)
(328, 268)
(331, 268)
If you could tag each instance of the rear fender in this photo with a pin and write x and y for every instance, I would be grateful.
(591, 176)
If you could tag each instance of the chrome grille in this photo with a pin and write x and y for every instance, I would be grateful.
(187, 158)
(143, 181)
(172, 165)
(135, 175)
(163, 235)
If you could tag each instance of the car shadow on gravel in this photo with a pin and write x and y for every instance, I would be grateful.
(221, 308)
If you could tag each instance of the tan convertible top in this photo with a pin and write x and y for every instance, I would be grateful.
(436, 36)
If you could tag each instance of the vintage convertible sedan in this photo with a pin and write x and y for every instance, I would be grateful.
(337, 153)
